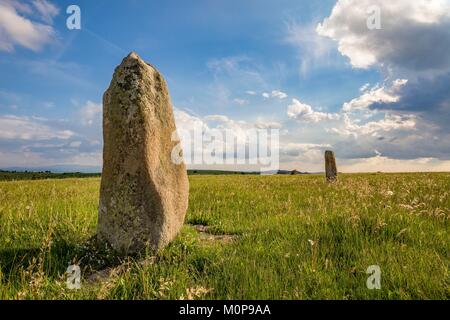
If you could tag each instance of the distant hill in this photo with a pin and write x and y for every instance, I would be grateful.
(220, 172)
(56, 169)
(285, 172)
(15, 175)
(291, 172)
(92, 169)
(68, 171)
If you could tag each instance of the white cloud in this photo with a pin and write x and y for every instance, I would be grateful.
(375, 95)
(46, 10)
(16, 29)
(298, 149)
(190, 126)
(279, 94)
(386, 164)
(267, 124)
(413, 44)
(188, 122)
(217, 118)
(303, 156)
(413, 36)
(24, 128)
(249, 92)
(390, 122)
(304, 112)
(91, 113)
(275, 94)
(364, 87)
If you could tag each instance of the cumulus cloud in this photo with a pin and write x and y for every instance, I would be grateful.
(413, 35)
(275, 94)
(200, 135)
(414, 44)
(18, 25)
(188, 122)
(377, 94)
(303, 156)
(25, 128)
(39, 141)
(279, 94)
(390, 122)
(429, 98)
(303, 149)
(304, 112)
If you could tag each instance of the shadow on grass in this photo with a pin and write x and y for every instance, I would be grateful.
(53, 261)
(98, 261)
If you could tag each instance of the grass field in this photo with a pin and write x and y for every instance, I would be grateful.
(291, 237)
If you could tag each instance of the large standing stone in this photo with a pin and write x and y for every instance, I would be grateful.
(143, 194)
(330, 166)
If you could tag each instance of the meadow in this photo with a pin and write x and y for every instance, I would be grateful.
(245, 237)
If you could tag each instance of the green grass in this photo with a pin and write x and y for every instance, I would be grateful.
(32, 175)
(353, 224)
(15, 176)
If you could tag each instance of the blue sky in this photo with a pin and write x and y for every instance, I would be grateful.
(310, 68)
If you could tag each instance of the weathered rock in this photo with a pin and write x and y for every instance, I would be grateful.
(143, 194)
(330, 166)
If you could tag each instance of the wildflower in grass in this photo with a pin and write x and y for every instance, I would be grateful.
(195, 293)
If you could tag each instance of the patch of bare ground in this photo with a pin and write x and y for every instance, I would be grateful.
(207, 235)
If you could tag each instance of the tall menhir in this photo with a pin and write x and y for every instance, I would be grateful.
(143, 193)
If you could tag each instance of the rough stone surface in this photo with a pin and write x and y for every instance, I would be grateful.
(330, 166)
(143, 194)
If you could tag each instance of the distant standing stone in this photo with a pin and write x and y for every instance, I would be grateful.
(330, 166)
(143, 194)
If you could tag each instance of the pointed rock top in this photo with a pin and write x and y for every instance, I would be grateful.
(134, 56)
(133, 59)
(131, 74)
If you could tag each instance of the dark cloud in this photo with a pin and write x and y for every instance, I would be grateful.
(428, 97)
(415, 47)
